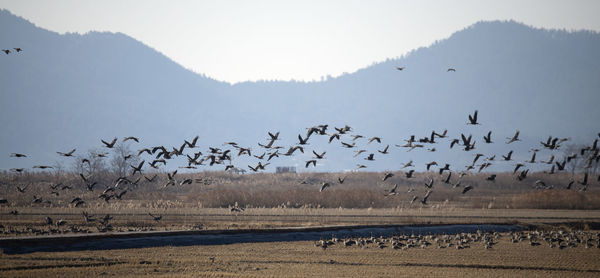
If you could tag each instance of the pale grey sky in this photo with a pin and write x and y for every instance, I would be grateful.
(303, 40)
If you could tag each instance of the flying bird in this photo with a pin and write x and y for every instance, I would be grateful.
(447, 180)
(131, 138)
(319, 156)
(374, 138)
(155, 217)
(446, 167)
(473, 119)
(488, 138)
(408, 164)
(313, 161)
(424, 201)
(111, 144)
(385, 150)
(324, 185)
(507, 156)
(519, 165)
(66, 154)
(431, 164)
(392, 191)
(514, 138)
(429, 184)
(138, 168)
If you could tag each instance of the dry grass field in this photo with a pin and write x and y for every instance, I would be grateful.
(30, 221)
(285, 200)
(303, 259)
(294, 200)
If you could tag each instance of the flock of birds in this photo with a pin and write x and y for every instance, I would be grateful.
(156, 157)
(8, 51)
(159, 156)
(560, 239)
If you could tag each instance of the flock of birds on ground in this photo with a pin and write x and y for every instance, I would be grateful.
(560, 239)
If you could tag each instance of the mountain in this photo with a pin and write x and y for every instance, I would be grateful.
(71, 90)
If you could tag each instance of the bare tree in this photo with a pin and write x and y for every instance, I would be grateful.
(122, 158)
(91, 163)
(576, 162)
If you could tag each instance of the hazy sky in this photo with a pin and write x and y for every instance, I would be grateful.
(248, 40)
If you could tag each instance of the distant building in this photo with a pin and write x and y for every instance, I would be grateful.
(285, 169)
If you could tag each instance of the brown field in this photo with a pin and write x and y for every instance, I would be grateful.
(30, 221)
(294, 200)
(303, 259)
(288, 200)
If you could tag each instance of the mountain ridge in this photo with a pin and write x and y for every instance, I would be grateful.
(102, 84)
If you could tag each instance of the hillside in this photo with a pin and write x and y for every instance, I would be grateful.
(69, 91)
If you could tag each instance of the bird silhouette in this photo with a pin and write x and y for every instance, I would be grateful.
(303, 141)
(137, 169)
(445, 168)
(392, 191)
(374, 138)
(66, 154)
(517, 166)
(507, 157)
(319, 156)
(431, 164)
(429, 184)
(514, 138)
(585, 179)
(408, 164)
(22, 189)
(324, 185)
(385, 150)
(131, 138)
(387, 175)
(155, 217)
(447, 180)
(111, 144)
(473, 119)
(424, 201)
(488, 138)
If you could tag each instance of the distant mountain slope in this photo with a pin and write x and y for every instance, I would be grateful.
(70, 90)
